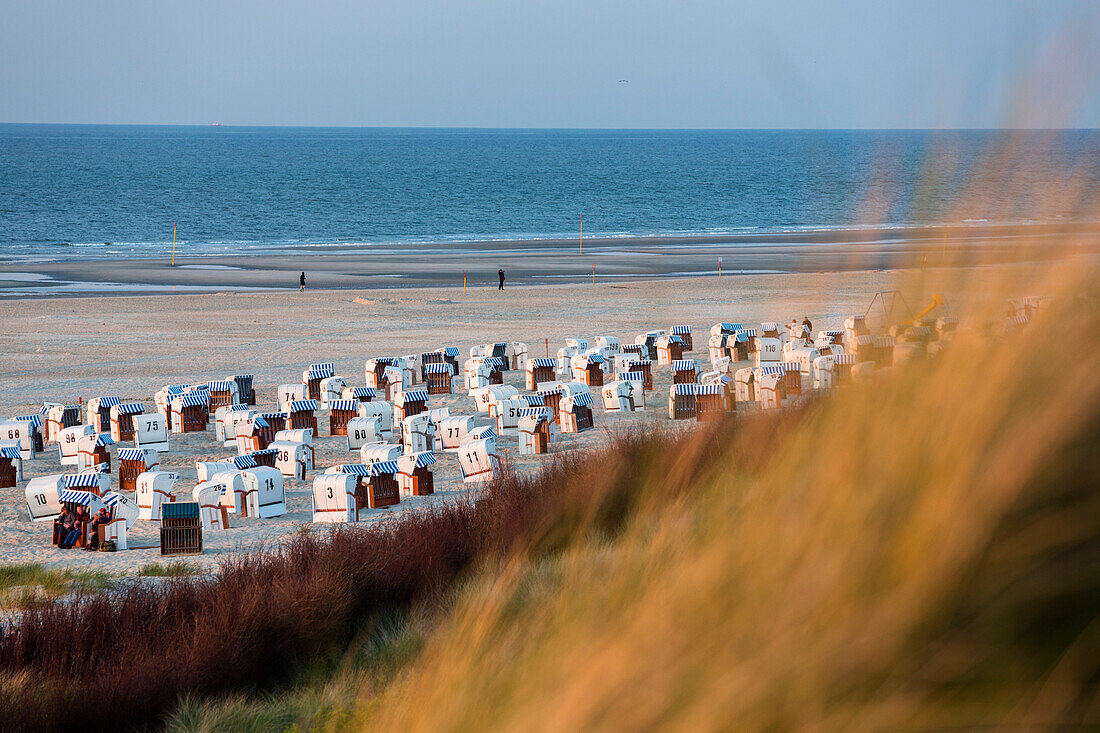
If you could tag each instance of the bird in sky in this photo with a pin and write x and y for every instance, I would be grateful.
(624, 81)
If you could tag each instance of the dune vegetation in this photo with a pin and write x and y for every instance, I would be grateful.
(920, 550)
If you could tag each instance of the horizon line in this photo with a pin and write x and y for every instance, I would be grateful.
(552, 128)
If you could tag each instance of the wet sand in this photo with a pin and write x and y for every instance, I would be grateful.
(544, 262)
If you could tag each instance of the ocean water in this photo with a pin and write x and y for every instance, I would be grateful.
(74, 191)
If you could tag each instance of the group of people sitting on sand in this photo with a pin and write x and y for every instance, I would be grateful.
(72, 523)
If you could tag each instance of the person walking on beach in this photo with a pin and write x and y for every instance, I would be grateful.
(809, 325)
(302, 282)
(500, 274)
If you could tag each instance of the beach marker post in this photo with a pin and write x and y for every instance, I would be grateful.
(581, 240)
(593, 274)
(463, 282)
(173, 245)
(719, 268)
(547, 347)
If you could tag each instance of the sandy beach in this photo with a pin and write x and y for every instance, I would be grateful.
(70, 349)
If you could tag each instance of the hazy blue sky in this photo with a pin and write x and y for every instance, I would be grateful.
(549, 63)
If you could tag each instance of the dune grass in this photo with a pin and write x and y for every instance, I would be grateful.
(173, 569)
(25, 584)
(921, 552)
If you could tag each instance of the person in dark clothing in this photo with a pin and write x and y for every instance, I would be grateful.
(806, 322)
(500, 274)
(69, 529)
(101, 517)
(302, 282)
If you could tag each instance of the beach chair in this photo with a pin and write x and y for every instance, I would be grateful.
(517, 356)
(417, 433)
(11, 464)
(213, 513)
(450, 431)
(43, 495)
(151, 431)
(189, 412)
(255, 433)
(152, 489)
(565, 360)
(414, 474)
(59, 417)
(377, 485)
(618, 397)
(265, 494)
(588, 369)
(744, 384)
(684, 371)
(124, 515)
(506, 413)
(363, 430)
(475, 375)
(334, 498)
(121, 420)
(636, 382)
(770, 389)
(380, 453)
(684, 332)
(332, 389)
(710, 401)
(292, 458)
(341, 413)
(23, 434)
(535, 431)
(823, 372)
(478, 461)
(538, 371)
(765, 350)
(407, 404)
(226, 419)
(439, 378)
(234, 499)
(681, 401)
(68, 443)
(384, 411)
(223, 393)
(486, 396)
(92, 451)
(246, 394)
(99, 412)
(575, 411)
(359, 394)
(288, 393)
(313, 376)
(302, 415)
(375, 372)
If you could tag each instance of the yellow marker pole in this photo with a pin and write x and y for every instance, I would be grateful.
(593, 274)
(719, 268)
(463, 281)
(173, 245)
(582, 234)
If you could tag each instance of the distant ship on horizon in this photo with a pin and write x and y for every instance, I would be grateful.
(215, 124)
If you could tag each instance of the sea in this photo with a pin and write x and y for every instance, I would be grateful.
(90, 191)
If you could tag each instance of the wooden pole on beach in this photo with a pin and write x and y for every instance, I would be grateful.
(719, 268)
(593, 274)
(582, 234)
(173, 245)
(464, 282)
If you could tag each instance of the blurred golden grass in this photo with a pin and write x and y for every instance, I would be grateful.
(918, 552)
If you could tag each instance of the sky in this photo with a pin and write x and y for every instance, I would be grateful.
(553, 63)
